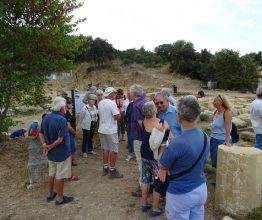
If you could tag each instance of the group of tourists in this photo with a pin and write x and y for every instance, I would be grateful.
(162, 136)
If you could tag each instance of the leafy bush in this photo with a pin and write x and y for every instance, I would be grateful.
(114, 69)
(203, 117)
(4, 125)
(255, 214)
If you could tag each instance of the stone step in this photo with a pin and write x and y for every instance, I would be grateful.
(247, 136)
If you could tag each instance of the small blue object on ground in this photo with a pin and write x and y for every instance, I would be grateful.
(156, 213)
(145, 208)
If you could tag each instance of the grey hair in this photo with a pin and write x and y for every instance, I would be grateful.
(162, 94)
(99, 91)
(189, 108)
(149, 109)
(59, 102)
(259, 91)
(165, 91)
(136, 90)
(92, 96)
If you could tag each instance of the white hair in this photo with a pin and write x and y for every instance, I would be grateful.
(59, 102)
(259, 91)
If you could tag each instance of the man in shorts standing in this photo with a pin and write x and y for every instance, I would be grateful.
(54, 137)
(109, 114)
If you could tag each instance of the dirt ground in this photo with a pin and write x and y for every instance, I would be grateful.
(96, 197)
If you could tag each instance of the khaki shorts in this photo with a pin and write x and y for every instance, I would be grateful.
(109, 142)
(60, 170)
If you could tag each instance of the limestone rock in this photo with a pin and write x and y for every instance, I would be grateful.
(238, 179)
(37, 163)
(239, 123)
(227, 218)
(247, 136)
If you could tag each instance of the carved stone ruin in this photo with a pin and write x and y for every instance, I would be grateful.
(238, 179)
(37, 163)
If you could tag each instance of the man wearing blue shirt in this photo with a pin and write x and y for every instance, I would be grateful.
(54, 137)
(168, 113)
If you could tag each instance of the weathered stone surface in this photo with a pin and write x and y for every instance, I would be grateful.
(37, 163)
(239, 179)
(227, 218)
(247, 136)
(239, 123)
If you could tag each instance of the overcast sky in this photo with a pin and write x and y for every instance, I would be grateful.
(211, 24)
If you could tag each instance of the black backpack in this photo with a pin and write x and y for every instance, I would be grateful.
(234, 133)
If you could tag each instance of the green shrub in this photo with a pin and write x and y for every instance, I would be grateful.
(4, 125)
(203, 117)
(255, 214)
(114, 69)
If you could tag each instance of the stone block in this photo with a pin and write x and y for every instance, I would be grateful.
(239, 123)
(247, 136)
(238, 179)
(37, 163)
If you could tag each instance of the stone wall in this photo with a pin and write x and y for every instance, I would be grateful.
(238, 179)
(37, 163)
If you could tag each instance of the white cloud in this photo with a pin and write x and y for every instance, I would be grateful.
(211, 24)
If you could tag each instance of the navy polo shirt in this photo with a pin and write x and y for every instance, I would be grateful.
(54, 126)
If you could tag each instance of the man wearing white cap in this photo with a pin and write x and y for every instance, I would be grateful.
(54, 137)
(109, 114)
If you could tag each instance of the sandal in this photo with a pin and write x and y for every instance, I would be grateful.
(145, 208)
(157, 213)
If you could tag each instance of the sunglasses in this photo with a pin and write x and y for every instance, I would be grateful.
(161, 103)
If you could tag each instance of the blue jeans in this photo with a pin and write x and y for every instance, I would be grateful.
(213, 150)
(87, 144)
(130, 143)
(188, 206)
(258, 141)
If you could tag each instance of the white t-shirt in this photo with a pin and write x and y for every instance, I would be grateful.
(107, 109)
(256, 115)
(125, 104)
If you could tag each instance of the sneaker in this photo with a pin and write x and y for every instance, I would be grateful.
(105, 171)
(64, 201)
(92, 152)
(114, 174)
(84, 154)
(51, 197)
(129, 157)
(157, 213)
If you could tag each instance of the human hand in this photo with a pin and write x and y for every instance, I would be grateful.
(162, 175)
(227, 143)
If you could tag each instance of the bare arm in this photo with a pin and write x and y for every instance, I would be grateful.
(71, 129)
(117, 117)
(228, 126)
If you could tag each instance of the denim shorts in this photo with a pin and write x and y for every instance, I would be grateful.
(149, 171)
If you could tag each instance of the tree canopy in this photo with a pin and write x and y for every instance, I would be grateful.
(34, 42)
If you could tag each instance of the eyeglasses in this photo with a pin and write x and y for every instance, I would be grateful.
(220, 98)
(161, 103)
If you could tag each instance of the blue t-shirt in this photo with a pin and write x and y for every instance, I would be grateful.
(181, 154)
(136, 116)
(170, 117)
(54, 126)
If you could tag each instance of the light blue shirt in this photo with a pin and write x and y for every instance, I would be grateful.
(181, 154)
(170, 117)
(218, 128)
(172, 100)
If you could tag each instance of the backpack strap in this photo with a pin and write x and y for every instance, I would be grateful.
(175, 176)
